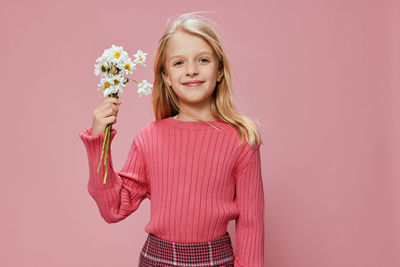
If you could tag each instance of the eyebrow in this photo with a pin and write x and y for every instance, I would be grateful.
(201, 53)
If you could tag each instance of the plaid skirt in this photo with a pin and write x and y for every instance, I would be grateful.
(160, 252)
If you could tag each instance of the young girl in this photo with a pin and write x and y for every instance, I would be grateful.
(198, 162)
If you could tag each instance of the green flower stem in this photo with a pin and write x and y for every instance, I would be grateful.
(107, 143)
(102, 150)
(107, 148)
(132, 80)
(106, 138)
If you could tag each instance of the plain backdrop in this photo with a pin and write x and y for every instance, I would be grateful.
(320, 77)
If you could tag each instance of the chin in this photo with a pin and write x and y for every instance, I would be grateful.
(193, 100)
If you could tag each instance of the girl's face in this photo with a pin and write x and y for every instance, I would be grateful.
(189, 58)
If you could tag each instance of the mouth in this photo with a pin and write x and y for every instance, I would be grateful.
(193, 83)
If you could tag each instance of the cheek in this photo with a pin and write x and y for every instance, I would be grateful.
(174, 77)
(212, 73)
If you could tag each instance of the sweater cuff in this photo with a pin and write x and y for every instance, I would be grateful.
(94, 145)
(86, 134)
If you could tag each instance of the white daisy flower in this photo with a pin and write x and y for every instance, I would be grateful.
(118, 83)
(140, 57)
(101, 66)
(105, 83)
(126, 65)
(111, 84)
(107, 92)
(106, 57)
(117, 54)
(144, 88)
(114, 54)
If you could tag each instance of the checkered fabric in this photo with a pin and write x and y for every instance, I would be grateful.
(160, 252)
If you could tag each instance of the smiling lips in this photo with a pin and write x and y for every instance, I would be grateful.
(193, 83)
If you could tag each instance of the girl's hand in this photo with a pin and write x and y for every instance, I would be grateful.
(105, 113)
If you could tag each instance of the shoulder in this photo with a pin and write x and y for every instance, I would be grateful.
(141, 137)
(246, 153)
(246, 149)
(148, 130)
(242, 148)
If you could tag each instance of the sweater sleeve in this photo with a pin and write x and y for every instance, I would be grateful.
(124, 190)
(249, 248)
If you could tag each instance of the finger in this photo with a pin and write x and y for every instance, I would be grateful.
(115, 108)
(108, 111)
(110, 107)
(113, 100)
(110, 119)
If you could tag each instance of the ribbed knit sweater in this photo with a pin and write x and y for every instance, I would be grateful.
(197, 178)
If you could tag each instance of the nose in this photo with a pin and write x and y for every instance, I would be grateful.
(191, 69)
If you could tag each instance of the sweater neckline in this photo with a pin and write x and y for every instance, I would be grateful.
(191, 124)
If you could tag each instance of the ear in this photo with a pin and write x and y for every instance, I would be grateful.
(168, 81)
(220, 75)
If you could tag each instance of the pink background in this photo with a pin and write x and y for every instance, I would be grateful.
(322, 77)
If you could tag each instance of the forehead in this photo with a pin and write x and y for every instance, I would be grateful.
(186, 44)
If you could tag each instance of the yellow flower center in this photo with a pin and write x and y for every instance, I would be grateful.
(116, 82)
(127, 67)
(117, 54)
(141, 59)
(106, 85)
(103, 69)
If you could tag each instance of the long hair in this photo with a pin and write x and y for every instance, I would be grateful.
(166, 102)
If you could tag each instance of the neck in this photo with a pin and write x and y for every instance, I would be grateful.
(195, 112)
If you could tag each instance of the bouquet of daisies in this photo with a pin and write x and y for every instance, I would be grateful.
(112, 66)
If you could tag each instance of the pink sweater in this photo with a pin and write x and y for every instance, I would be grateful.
(197, 179)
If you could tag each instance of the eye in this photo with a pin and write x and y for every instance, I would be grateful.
(205, 60)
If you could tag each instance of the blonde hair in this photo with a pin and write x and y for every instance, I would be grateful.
(166, 102)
